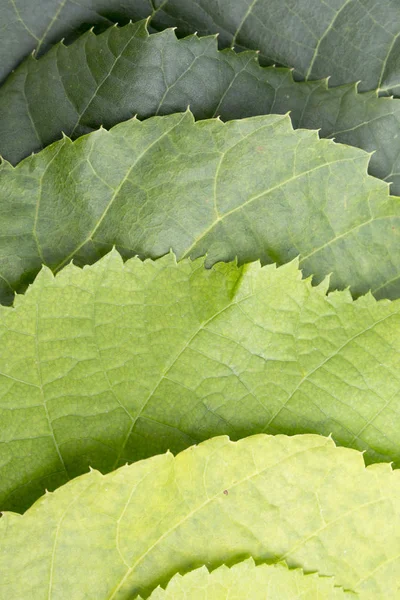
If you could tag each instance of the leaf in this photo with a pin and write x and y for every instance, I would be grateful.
(246, 581)
(117, 362)
(105, 79)
(251, 188)
(297, 499)
(26, 27)
(348, 40)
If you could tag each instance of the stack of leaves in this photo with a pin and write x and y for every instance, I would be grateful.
(200, 300)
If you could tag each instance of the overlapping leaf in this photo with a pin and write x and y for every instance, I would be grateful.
(27, 26)
(246, 581)
(296, 499)
(349, 40)
(102, 80)
(252, 189)
(116, 363)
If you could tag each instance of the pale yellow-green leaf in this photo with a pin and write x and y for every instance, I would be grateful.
(273, 498)
(246, 581)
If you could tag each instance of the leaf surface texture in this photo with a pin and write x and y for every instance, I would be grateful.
(105, 79)
(348, 40)
(117, 362)
(246, 581)
(252, 189)
(273, 498)
(27, 26)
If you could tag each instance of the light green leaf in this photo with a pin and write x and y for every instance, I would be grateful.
(297, 499)
(116, 363)
(246, 581)
(105, 79)
(252, 189)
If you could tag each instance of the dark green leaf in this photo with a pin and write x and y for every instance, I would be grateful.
(252, 189)
(26, 26)
(349, 40)
(102, 80)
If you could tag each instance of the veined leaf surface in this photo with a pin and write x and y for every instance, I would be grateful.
(117, 362)
(246, 581)
(105, 79)
(296, 499)
(348, 40)
(34, 26)
(252, 189)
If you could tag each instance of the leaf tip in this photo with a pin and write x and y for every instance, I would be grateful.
(189, 115)
(356, 85)
(171, 254)
(5, 164)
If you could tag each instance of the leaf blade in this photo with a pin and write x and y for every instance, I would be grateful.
(105, 79)
(118, 362)
(245, 580)
(26, 29)
(317, 39)
(143, 518)
(129, 187)
(347, 40)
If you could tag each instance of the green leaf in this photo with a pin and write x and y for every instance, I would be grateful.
(246, 581)
(251, 188)
(26, 27)
(297, 499)
(349, 40)
(117, 362)
(105, 79)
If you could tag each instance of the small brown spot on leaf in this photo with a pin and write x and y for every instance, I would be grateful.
(226, 492)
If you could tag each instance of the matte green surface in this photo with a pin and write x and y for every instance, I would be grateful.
(26, 26)
(105, 79)
(349, 40)
(346, 40)
(246, 581)
(252, 189)
(116, 363)
(273, 498)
